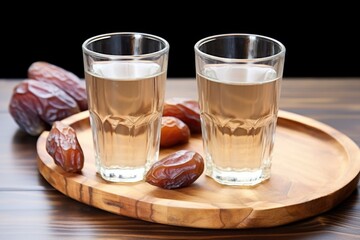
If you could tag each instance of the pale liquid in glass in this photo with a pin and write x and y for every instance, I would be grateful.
(239, 106)
(125, 104)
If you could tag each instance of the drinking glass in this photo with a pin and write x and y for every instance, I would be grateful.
(239, 80)
(125, 76)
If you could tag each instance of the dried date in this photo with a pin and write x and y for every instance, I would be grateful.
(177, 170)
(63, 146)
(35, 105)
(173, 132)
(25, 114)
(67, 81)
(186, 110)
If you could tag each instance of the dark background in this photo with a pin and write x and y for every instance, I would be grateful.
(319, 42)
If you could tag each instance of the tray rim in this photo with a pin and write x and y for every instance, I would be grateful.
(348, 181)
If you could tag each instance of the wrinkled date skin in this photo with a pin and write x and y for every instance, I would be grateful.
(177, 170)
(63, 146)
(186, 110)
(173, 132)
(67, 81)
(36, 105)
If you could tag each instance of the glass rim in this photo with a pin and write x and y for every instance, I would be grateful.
(119, 57)
(240, 60)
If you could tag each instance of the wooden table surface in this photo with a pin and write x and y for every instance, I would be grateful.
(31, 209)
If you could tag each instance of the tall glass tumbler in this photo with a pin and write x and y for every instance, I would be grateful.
(239, 80)
(125, 76)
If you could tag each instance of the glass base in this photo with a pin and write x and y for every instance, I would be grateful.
(244, 177)
(122, 174)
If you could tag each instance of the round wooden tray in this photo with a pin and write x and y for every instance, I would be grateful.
(314, 168)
